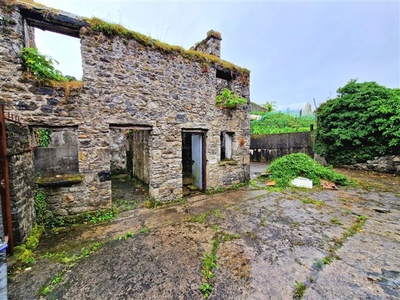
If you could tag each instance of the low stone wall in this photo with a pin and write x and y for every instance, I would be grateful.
(385, 164)
(266, 148)
(21, 175)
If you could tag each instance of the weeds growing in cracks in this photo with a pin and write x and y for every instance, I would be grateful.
(48, 288)
(299, 291)
(210, 262)
(338, 242)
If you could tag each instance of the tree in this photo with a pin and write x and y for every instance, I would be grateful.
(269, 106)
(361, 123)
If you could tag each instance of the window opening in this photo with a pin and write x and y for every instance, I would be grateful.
(226, 145)
(65, 50)
(56, 155)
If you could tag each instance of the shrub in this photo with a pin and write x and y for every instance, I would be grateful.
(228, 99)
(361, 123)
(288, 167)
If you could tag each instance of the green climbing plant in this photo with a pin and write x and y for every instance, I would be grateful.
(228, 99)
(43, 137)
(42, 66)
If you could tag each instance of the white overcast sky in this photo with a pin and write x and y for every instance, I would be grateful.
(295, 50)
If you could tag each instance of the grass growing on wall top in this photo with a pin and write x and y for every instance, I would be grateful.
(110, 30)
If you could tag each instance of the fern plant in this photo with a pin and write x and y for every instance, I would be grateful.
(228, 99)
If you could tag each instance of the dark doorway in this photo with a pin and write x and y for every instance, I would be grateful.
(193, 161)
(129, 163)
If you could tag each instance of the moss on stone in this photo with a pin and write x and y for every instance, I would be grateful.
(30, 3)
(67, 86)
(59, 180)
(228, 162)
(214, 33)
(111, 30)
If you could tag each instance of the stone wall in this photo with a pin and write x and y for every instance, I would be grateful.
(257, 108)
(127, 84)
(118, 148)
(21, 175)
(167, 93)
(385, 164)
(266, 148)
(62, 149)
(211, 44)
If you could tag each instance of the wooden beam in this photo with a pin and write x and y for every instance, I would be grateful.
(52, 20)
(53, 28)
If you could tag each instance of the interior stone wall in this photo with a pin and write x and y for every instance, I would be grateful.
(21, 174)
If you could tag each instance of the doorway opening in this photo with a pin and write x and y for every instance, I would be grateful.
(193, 161)
(129, 165)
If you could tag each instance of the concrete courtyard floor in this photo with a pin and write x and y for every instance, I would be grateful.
(314, 244)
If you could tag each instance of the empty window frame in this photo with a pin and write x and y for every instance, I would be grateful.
(226, 145)
(56, 151)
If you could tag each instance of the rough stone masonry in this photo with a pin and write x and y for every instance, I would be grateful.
(128, 86)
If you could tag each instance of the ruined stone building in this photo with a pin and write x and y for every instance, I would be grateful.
(143, 107)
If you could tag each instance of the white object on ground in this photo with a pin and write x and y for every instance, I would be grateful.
(302, 182)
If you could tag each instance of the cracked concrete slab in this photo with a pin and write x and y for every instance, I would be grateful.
(335, 244)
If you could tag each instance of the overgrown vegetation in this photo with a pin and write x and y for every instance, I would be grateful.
(277, 122)
(288, 167)
(228, 99)
(111, 30)
(361, 123)
(48, 288)
(46, 218)
(202, 218)
(42, 66)
(70, 259)
(299, 290)
(309, 200)
(210, 262)
(354, 228)
(24, 253)
(43, 137)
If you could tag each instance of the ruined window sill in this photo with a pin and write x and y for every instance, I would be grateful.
(228, 162)
(59, 180)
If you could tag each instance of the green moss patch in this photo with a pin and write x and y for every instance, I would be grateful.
(59, 180)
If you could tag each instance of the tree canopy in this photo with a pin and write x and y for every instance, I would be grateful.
(269, 106)
(361, 123)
